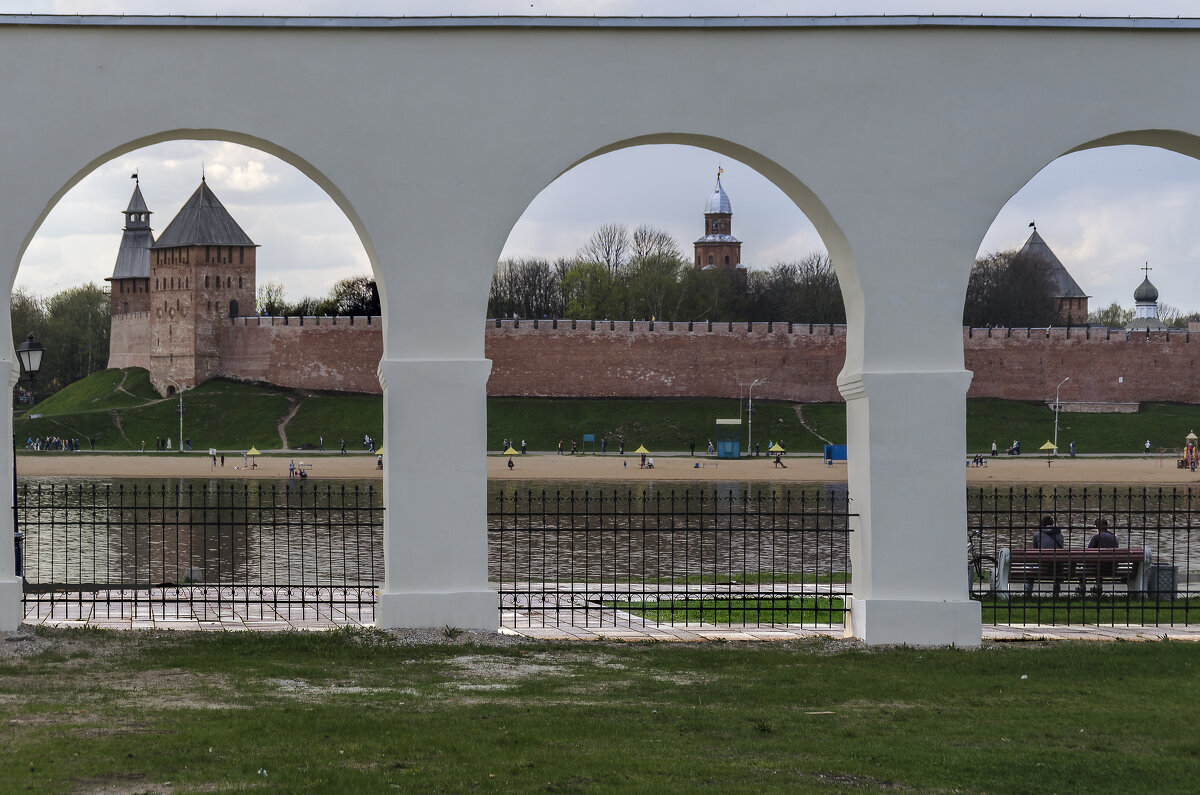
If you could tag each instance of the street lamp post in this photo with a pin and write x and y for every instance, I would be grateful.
(29, 353)
(179, 391)
(750, 418)
(1056, 409)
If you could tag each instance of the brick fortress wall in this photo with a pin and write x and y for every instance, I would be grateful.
(794, 362)
(334, 353)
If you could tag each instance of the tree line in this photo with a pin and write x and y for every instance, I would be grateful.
(618, 274)
(73, 325)
(356, 295)
(1009, 289)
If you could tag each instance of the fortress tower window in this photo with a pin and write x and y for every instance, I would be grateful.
(207, 254)
(727, 260)
(127, 307)
(206, 280)
(240, 285)
(228, 281)
(241, 256)
(233, 308)
(183, 256)
(210, 307)
(710, 259)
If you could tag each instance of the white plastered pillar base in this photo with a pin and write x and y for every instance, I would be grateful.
(435, 517)
(12, 612)
(906, 433)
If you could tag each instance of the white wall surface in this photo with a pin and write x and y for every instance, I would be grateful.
(900, 142)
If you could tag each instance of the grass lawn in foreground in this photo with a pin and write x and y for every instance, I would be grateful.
(356, 711)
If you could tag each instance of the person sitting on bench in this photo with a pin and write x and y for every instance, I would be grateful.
(1103, 539)
(1048, 537)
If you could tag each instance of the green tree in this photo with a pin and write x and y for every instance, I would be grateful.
(589, 291)
(270, 300)
(73, 325)
(1111, 316)
(1006, 289)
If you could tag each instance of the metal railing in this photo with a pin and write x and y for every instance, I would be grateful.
(298, 552)
(624, 558)
(1017, 585)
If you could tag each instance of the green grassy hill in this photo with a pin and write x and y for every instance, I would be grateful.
(119, 409)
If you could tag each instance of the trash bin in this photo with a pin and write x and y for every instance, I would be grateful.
(1162, 581)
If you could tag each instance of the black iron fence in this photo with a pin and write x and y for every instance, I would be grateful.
(1151, 577)
(638, 558)
(296, 552)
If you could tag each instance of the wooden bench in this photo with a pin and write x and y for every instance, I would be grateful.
(1022, 565)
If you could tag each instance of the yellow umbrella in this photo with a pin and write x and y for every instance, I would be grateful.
(641, 449)
(253, 451)
(511, 451)
(775, 448)
(1048, 446)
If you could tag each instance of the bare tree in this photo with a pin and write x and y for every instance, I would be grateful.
(608, 246)
(649, 242)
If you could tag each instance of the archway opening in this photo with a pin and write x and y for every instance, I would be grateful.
(678, 240)
(1080, 320)
(656, 309)
(203, 269)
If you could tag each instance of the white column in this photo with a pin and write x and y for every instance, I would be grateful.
(11, 610)
(435, 517)
(906, 433)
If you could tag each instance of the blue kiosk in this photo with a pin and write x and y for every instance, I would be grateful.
(729, 438)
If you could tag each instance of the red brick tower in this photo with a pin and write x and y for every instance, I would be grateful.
(718, 248)
(129, 286)
(202, 272)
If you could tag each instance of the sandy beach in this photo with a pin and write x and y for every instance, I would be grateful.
(1001, 470)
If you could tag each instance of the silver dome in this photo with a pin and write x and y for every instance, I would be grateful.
(718, 201)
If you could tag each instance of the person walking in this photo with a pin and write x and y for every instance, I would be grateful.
(343, 445)
(1147, 447)
(995, 449)
(1072, 449)
(692, 447)
(522, 447)
(321, 443)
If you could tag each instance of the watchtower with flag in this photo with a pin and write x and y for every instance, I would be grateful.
(718, 248)
(129, 285)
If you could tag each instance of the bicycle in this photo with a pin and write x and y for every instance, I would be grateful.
(981, 568)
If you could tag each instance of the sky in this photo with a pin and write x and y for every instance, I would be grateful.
(1104, 212)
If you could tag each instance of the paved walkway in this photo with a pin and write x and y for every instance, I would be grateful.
(290, 612)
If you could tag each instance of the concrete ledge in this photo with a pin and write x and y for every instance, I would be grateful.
(12, 612)
(461, 609)
(893, 621)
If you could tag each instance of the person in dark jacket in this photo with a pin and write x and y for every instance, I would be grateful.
(1048, 537)
(1103, 539)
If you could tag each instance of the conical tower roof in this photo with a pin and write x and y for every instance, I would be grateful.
(203, 221)
(136, 203)
(1063, 285)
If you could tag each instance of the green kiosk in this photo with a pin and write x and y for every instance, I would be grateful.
(729, 438)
